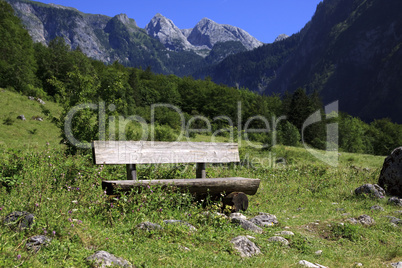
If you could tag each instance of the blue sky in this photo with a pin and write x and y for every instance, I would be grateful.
(263, 19)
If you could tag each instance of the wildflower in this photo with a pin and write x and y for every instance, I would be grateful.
(45, 232)
(111, 205)
(148, 186)
(1, 208)
(72, 225)
(78, 188)
(160, 210)
(54, 233)
(137, 209)
(152, 191)
(69, 212)
(18, 256)
(79, 221)
(36, 204)
(70, 220)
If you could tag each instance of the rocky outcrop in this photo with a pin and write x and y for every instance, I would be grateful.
(245, 247)
(168, 33)
(281, 37)
(391, 173)
(208, 33)
(105, 259)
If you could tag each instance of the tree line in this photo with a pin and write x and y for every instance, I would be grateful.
(57, 73)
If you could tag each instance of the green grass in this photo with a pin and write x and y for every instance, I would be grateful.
(64, 192)
(16, 133)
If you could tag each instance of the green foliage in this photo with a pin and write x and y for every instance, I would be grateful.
(346, 231)
(17, 63)
(288, 134)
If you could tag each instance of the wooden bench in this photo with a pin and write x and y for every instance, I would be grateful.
(132, 153)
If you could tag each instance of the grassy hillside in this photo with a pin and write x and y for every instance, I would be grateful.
(64, 193)
(16, 133)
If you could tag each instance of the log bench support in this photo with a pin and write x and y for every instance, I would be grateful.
(132, 153)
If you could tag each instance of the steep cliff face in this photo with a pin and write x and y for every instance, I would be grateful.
(350, 51)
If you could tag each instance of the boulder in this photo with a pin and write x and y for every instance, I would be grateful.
(371, 189)
(265, 220)
(391, 174)
(245, 247)
(19, 220)
(36, 242)
(363, 219)
(395, 201)
(105, 259)
(397, 264)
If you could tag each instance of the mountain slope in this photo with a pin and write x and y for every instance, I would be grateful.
(349, 51)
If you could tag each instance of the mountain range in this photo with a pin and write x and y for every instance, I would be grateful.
(349, 51)
(161, 45)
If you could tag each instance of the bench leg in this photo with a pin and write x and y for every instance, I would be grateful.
(131, 172)
(238, 201)
(200, 173)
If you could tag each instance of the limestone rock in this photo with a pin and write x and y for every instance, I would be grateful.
(285, 233)
(105, 259)
(237, 215)
(370, 189)
(279, 239)
(149, 226)
(19, 220)
(311, 265)
(395, 201)
(391, 174)
(36, 242)
(397, 264)
(247, 225)
(363, 219)
(245, 247)
(377, 207)
(265, 220)
(21, 117)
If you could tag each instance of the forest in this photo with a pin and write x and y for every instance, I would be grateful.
(68, 77)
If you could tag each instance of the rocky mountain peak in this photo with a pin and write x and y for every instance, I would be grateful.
(208, 33)
(123, 18)
(167, 33)
(281, 37)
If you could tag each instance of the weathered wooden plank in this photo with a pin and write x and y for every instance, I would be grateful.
(148, 152)
(200, 186)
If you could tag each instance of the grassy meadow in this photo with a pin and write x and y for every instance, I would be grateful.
(64, 193)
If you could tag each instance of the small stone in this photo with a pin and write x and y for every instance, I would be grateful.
(31, 98)
(19, 220)
(36, 242)
(318, 252)
(245, 247)
(366, 220)
(105, 259)
(149, 226)
(311, 265)
(279, 239)
(334, 203)
(237, 215)
(359, 264)
(285, 233)
(265, 220)
(371, 189)
(192, 228)
(377, 207)
(250, 237)
(395, 201)
(397, 265)
(184, 248)
(247, 225)
(21, 117)
(40, 101)
(395, 220)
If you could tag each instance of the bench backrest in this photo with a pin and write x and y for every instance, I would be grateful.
(147, 152)
(132, 153)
